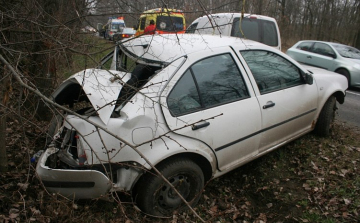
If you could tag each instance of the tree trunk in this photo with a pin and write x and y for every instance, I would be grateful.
(3, 102)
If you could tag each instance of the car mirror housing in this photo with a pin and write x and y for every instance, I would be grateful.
(333, 55)
(308, 79)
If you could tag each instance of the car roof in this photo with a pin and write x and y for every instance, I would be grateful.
(160, 50)
(319, 41)
(234, 14)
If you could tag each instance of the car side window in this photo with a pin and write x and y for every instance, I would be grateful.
(142, 23)
(192, 28)
(323, 49)
(305, 46)
(210, 82)
(271, 71)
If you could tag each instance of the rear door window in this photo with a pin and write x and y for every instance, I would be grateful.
(210, 82)
(305, 46)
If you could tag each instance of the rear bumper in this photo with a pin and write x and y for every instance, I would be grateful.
(77, 184)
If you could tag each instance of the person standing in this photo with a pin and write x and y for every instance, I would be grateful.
(150, 29)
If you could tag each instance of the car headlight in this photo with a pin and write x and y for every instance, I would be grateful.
(357, 66)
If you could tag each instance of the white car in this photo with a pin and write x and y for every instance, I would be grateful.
(260, 28)
(193, 106)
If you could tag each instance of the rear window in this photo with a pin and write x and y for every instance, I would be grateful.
(169, 23)
(256, 29)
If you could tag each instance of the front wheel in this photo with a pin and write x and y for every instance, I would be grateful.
(326, 117)
(156, 197)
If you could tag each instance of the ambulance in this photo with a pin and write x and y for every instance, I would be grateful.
(166, 21)
(115, 25)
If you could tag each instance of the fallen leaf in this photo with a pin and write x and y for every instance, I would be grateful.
(214, 208)
(269, 205)
(314, 166)
(23, 186)
(13, 215)
(347, 201)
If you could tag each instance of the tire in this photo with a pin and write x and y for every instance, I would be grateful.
(156, 197)
(346, 74)
(326, 118)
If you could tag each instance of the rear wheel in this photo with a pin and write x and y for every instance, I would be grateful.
(156, 197)
(345, 73)
(326, 117)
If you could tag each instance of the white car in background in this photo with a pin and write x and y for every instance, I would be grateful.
(331, 56)
(193, 106)
(260, 28)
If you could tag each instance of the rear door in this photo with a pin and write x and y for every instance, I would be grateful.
(209, 99)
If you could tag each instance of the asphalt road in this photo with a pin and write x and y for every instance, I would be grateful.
(349, 112)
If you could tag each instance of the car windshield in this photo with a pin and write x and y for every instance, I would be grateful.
(347, 51)
(117, 25)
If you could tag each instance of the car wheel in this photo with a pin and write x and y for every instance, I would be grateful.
(345, 73)
(326, 117)
(156, 197)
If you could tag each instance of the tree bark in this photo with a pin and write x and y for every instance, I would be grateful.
(3, 101)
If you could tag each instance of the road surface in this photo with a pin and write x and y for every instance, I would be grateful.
(349, 112)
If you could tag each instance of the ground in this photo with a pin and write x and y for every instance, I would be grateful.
(312, 179)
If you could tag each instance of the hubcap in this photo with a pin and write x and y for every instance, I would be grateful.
(168, 198)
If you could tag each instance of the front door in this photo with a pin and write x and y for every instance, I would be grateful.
(288, 104)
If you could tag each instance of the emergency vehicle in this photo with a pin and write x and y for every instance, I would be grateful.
(166, 21)
(115, 25)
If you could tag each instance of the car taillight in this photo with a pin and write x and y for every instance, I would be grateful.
(125, 35)
(80, 151)
(253, 17)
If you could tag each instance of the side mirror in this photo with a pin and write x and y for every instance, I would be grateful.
(333, 55)
(308, 78)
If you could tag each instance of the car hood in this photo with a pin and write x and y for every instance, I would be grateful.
(100, 87)
(322, 75)
(318, 70)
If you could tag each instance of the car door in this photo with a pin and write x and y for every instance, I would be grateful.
(300, 53)
(322, 56)
(210, 100)
(288, 104)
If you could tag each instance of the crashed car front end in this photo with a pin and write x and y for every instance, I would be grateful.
(83, 160)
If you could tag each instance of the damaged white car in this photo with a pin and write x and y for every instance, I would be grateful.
(193, 106)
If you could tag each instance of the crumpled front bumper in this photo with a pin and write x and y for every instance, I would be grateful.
(77, 184)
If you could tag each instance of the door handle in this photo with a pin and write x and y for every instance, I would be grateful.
(199, 126)
(309, 57)
(269, 104)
